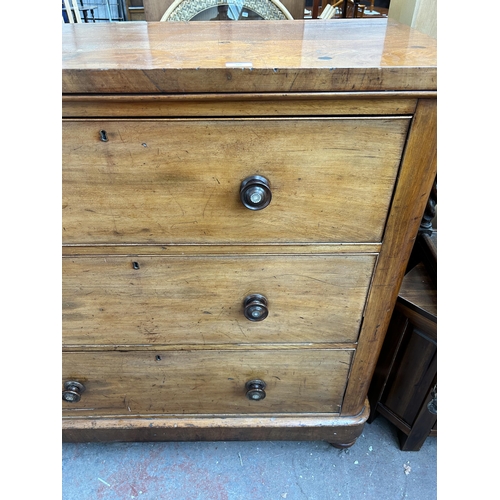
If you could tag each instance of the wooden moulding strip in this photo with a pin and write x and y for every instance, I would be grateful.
(272, 104)
(208, 347)
(249, 96)
(417, 175)
(218, 250)
(393, 418)
(257, 80)
(421, 319)
(207, 421)
(301, 427)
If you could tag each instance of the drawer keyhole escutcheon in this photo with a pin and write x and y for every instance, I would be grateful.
(72, 391)
(255, 192)
(255, 390)
(255, 307)
(104, 135)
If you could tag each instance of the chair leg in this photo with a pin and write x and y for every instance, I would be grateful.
(76, 11)
(68, 11)
(315, 9)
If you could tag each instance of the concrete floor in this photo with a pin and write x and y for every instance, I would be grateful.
(374, 468)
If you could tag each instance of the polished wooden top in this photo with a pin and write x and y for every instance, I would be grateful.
(253, 56)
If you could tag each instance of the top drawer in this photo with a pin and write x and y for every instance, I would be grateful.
(178, 180)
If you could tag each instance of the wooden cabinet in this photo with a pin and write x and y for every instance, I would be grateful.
(404, 385)
(135, 10)
(239, 205)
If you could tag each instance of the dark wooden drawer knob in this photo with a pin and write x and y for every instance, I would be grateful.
(255, 192)
(72, 391)
(255, 390)
(255, 307)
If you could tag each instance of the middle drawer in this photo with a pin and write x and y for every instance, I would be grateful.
(167, 300)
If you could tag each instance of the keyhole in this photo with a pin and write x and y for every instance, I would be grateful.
(135, 265)
(104, 135)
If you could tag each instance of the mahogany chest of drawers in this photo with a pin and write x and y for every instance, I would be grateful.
(239, 205)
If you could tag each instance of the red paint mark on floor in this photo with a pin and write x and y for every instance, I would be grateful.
(154, 479)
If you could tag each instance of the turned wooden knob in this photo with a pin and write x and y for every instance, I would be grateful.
(255, 307)
(72, 391)
(255, 192)
(255, 390)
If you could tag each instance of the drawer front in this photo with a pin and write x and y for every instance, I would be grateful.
(178, 181)
(200, 300)
(183, 382)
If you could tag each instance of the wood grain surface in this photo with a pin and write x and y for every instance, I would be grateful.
(208, 250)
(340, 117)
(277, 56)
(250, 105)
(419, 292)
(299, 427)
(142, 383)
(178, 181)
(418, 172)
(199, 300)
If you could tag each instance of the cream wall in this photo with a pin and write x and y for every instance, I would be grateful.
(419, 14)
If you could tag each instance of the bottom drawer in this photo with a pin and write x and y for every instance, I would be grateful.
(206, 382)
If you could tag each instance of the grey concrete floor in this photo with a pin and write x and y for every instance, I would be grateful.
(373, 468)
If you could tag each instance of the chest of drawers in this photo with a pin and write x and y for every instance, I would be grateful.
(239, 205)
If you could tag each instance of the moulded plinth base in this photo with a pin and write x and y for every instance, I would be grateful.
(340, 431)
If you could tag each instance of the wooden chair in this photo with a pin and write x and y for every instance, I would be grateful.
(72, 12)
(353, 9)
(75, 11)
(327, 12)
(188, 10)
